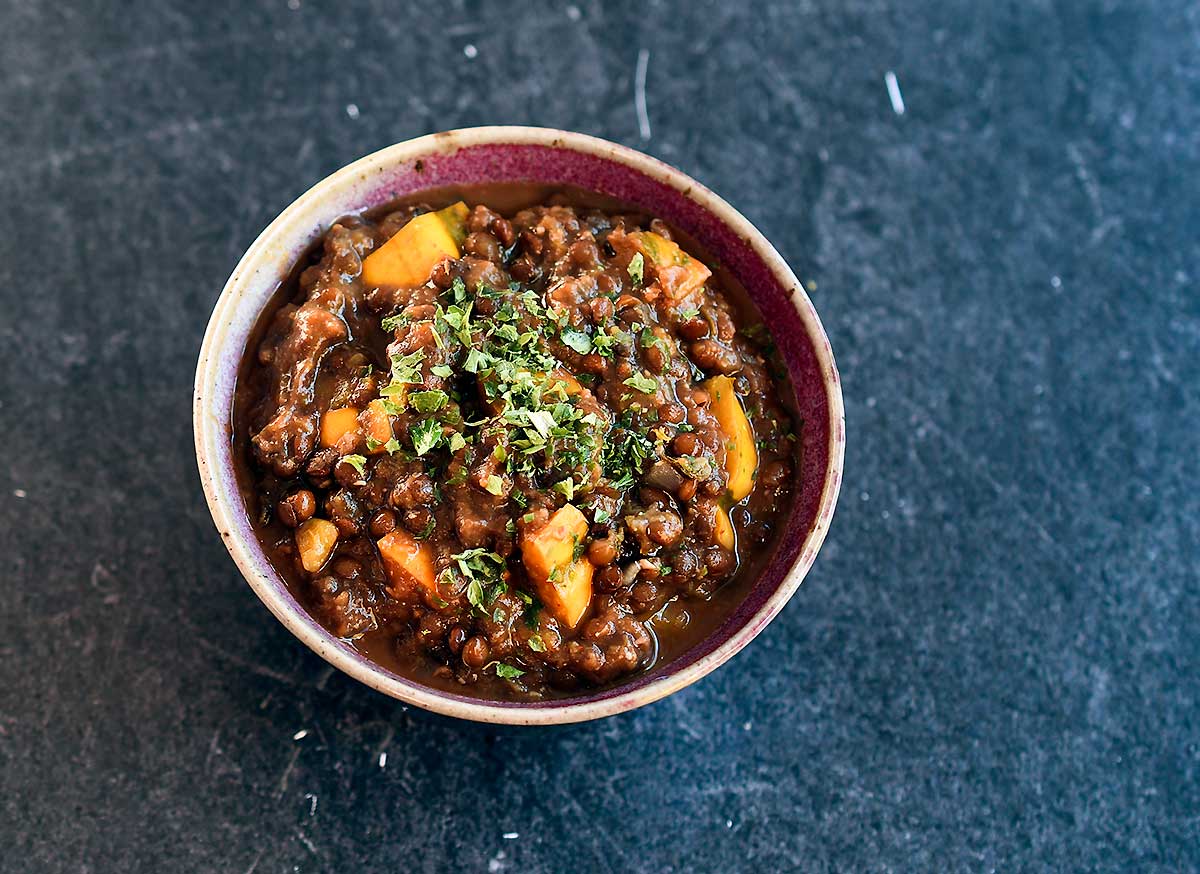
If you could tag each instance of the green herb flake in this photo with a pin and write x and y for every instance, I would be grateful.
(637, 266)
(577, 340)
(428, 401)
(358, 462)
(642, 383)
(536, 643)
(425, 435)
(391, 323)
(428, 529)
(601, 516)
(508, 672)
(532, 610)
(495, 485)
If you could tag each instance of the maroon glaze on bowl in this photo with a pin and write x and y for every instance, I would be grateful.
(531, 155)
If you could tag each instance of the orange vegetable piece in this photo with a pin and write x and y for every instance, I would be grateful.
(409, 564)
(315, 540)
(564, 582)
(335, 424)
(677, 272)
(724, 526)
(407, 259)
(377, 425)
(741, 455)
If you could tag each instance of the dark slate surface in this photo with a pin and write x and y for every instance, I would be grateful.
(993, 664)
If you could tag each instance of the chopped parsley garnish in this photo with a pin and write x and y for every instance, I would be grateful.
(536, 643)
(577, 340)
(425, 435)
(391, 323)
(507, 672)
(686, 314)
(406, 370)
(495, 485)
(641, 382)
(428, 401)
(625, 455)
(603, 343)
(357, 462)
(484, 573)
(601, 516)
(637, 265)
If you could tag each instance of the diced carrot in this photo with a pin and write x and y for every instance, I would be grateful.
(741, 455)
(407, 259)
(315, 540)
(376, 425)
(563, 581)
(409, 564)
(335, 424)
(569, 598)
(677, 272)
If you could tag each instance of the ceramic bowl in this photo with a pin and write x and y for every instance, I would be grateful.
(522, 154)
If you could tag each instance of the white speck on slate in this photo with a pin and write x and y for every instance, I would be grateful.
(729, 823)
(639, 93)
(352, 110)
(312, 806)
(894, 95)
(746, 725)
(496, 863)
(301, 734)
(20, 493)
(510, 836)
(470, 51)
(383, 760)
(1055, 282)
(573, 13)
(866, 496)
(293, 5)
(871, 403)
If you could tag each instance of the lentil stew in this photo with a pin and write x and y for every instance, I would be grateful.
(514, 449)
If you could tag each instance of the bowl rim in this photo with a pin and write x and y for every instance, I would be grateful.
(211, 437)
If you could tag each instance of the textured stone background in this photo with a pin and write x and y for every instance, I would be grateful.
(994, 662)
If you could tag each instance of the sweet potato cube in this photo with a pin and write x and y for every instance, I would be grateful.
(336, 424)
(741, 455)
(569, 598)
(376, 424)
(724, 529)
(677, 272)
(408, 563)
(407, 259)
(315, 540)
(563, 581)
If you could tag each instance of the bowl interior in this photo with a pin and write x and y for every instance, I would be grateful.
(489, 155)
